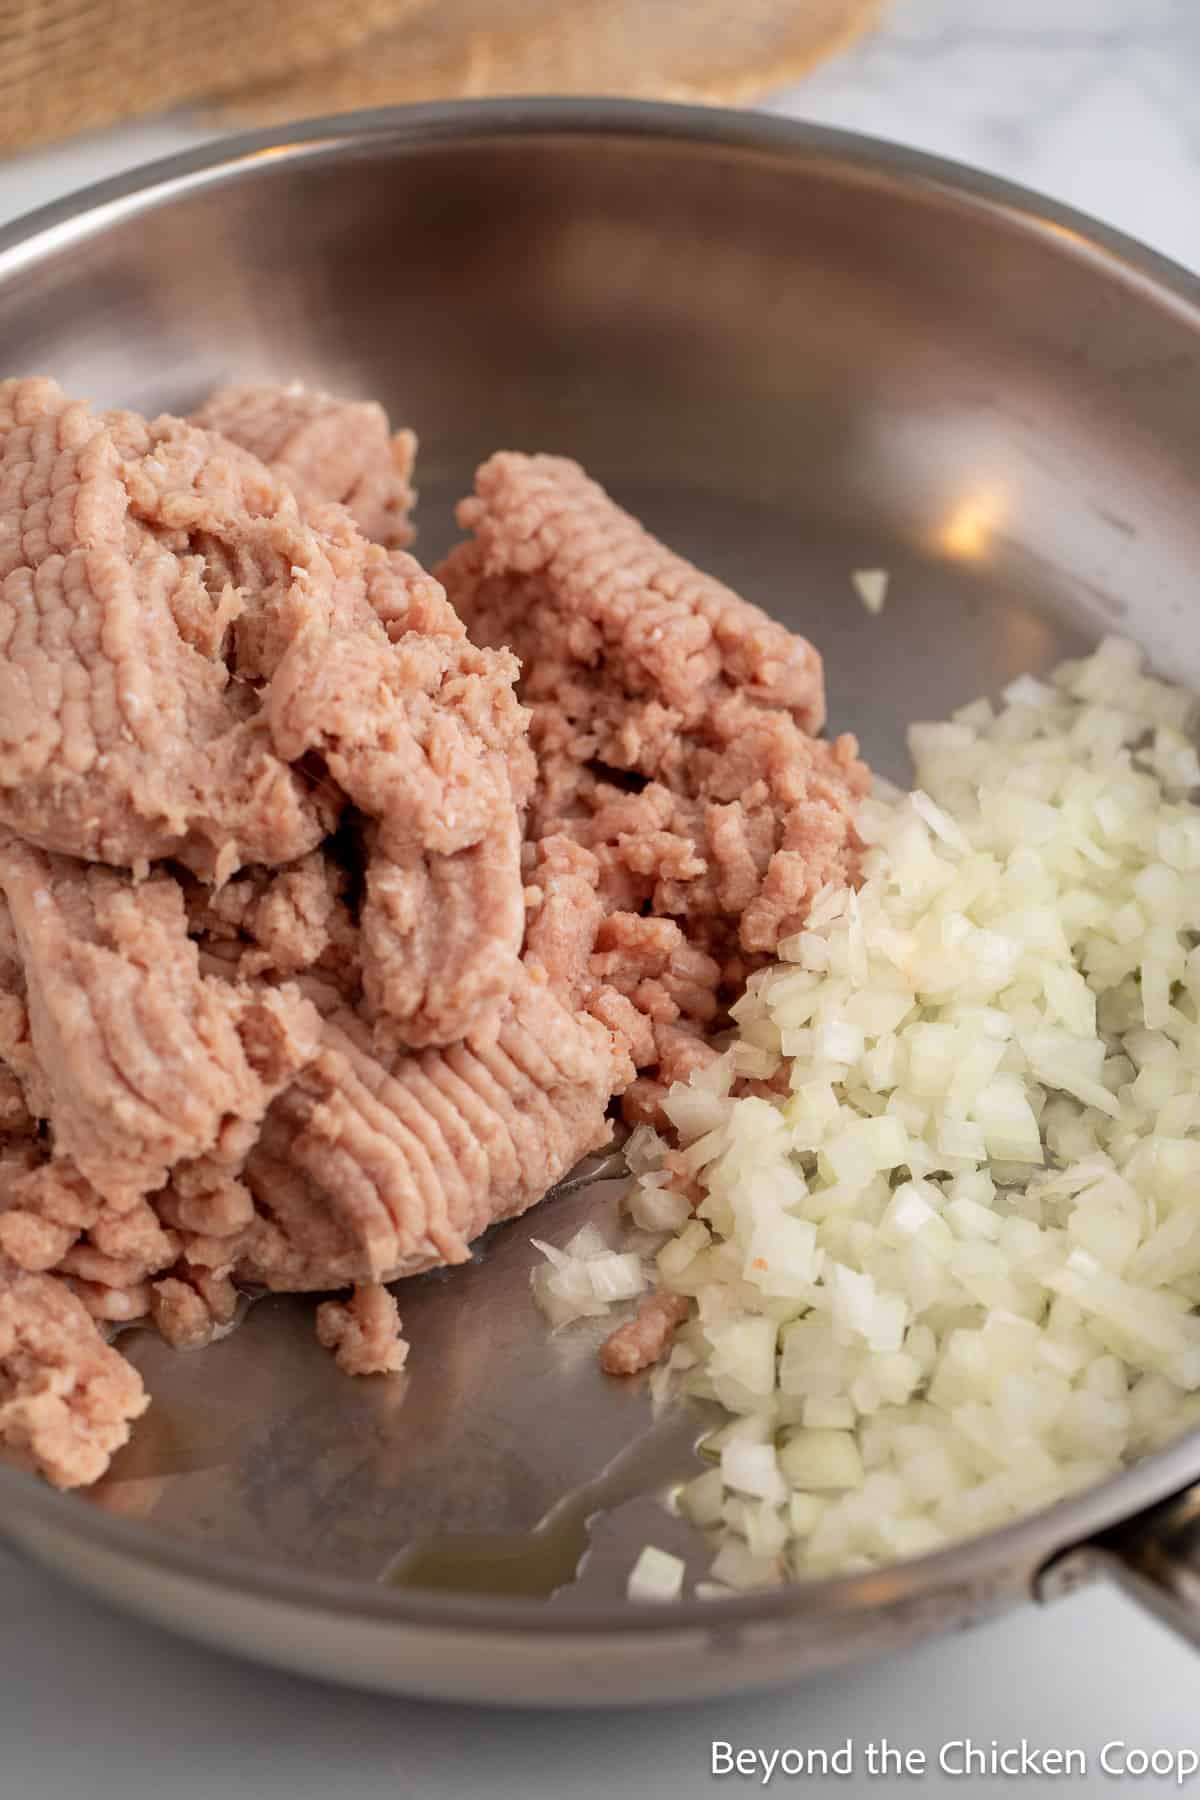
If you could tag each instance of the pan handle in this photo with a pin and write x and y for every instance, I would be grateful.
(1154, 1558)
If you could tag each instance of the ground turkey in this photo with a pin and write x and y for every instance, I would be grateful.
(644, 674)
(319, 951)
(326, 449)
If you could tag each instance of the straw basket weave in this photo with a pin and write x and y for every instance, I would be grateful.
(67, 65)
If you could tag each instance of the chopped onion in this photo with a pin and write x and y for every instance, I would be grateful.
(616, 1277)
(736, 1566)
(702, 1499)
(952, 1271)
(644, 1150)
(822, 1460)
(871, 585)
(752, 1469)
(656, 1575)
(658, 1209)
(585, 1279)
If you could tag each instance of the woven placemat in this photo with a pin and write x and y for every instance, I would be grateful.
(70, 65)
(723, 50)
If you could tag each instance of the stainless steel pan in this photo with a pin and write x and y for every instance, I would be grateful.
(796, 353)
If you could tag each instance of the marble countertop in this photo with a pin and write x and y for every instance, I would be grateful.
(1096, 102)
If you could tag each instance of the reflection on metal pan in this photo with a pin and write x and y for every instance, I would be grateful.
(795, 353)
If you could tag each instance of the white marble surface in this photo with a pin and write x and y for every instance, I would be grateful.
(1095, 102)
(1098, 103)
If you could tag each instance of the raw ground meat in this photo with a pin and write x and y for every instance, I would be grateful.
(143, 1061)
(325, 449)
(319, 952)
(634, 662)
(364, 1332)
(18, 1068)
(67, 1399)
(765, 821)
(645, 1338)
(190, 1307)
(277, 921)
(369, 1167)
(122, 736)
(179, 639)
(632, 643)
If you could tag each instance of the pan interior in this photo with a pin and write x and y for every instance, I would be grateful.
(792, 364)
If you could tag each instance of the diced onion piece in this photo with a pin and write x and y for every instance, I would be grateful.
(736, 1566)
(782, 1256)
(656, 1575)
(822, 1461)
(616, 1277)
(644, 1150)
(701, 1499)
(587, 1243)
(871, 585)
(694, 1110)
(950, 1269)
(753, 1469)
(658, 1209)
(1009, 1125)
(939, 821)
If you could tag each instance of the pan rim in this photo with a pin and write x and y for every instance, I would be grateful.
(1029, 1543)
